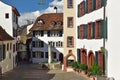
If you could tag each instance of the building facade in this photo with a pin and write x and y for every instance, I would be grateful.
(6, 51)
(69, 20)
(91, 32)
(9, 20)
(47, 30)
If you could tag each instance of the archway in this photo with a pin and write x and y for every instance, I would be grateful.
(68, 59)
(91, 59)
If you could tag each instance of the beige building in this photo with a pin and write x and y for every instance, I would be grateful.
(69, 33)
(6, 51)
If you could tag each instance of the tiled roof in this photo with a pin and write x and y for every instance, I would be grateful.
(4, 35)
(50, 21)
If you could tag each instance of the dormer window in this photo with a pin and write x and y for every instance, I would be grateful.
(53, 23)
(40, 22)
(59, 23)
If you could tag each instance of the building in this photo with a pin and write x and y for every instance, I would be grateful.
(91, 32)
(69, 20)
(9, 20)
(47, 30)
(22, 37)
(113, 40)
(6, 51)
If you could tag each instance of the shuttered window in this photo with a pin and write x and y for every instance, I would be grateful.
(97, 29)
(70, 3)
(82, 8)
(85, 31)
(90, 7)
(89, 30)
(81, 31)
(79, 10)
(98, 4)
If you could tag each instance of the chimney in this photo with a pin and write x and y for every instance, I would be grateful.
(55, 9)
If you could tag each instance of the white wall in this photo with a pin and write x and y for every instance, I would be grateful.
(113, 13)
(47, 39)
(89, 44)
(6, 23)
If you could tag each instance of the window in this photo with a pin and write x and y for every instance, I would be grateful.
(39, 54)
(81, 31)
(33, 54)
(82, 8)
(33, 43)
(4, 52)
(91, 30)
(14, 48)
(6, 15)
(70, 22)
(60, 33)
(10, 46)
(97, 29)
(54, 55)
(46, 54)
(90, 6)
(70, 3)
(98, 4)
(70, 41)
(7, 46)
(48, 33)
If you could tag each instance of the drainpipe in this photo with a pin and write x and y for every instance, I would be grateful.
(104, 41)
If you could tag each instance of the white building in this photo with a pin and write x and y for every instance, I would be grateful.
(9, 21)
(47, 30)
(6, 51)
(91, 32)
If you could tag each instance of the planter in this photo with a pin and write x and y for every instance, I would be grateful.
(84, 72)
(93, 78)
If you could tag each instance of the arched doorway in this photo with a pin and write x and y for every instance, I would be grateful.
(68, 59)
(83, 56)
(61, 57)
(91, 59)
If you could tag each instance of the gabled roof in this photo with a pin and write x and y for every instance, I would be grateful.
(4, 35)
(47, 20)
(15, 11)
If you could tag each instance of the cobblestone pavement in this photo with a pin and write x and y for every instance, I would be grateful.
(34, 72)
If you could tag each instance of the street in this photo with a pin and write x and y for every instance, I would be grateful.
(34, 72)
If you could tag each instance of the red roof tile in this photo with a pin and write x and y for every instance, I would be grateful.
(4, 35)
(49, 21)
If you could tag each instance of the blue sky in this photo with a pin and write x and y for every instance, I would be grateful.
(30, 9)
(27, 5)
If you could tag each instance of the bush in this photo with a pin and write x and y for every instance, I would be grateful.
(75, 65)
(83, 67)
(95, 70)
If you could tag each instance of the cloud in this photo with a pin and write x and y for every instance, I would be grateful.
(33, 15)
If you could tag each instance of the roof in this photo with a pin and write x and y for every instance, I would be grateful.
(15, 11)
(49, 22)
(4, 35)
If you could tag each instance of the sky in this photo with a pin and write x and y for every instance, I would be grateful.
(30, 9)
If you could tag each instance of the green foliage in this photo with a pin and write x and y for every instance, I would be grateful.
(83, 66)
(95, 70)
(75, 65)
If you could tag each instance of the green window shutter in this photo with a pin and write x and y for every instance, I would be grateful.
(103, 2)
(1, 52)
(79, 10)
(96, 57)
(106, 26)
(93, 30)
(78, 55)
(102, 29)
(94, 4)
(85, 31)
(86, 6)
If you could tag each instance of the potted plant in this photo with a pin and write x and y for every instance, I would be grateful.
(94, 71)
(83, 68)
(75, 65)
